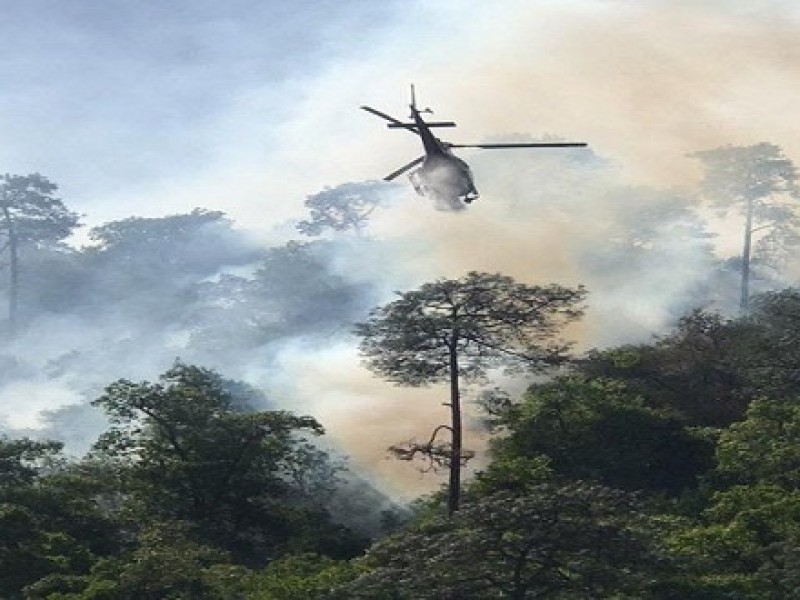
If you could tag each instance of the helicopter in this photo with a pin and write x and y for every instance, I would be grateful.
(442, 175)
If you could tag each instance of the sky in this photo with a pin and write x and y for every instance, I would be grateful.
(151, 108)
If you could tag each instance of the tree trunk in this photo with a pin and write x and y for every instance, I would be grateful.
(13, 266)
(744, 303)
(454, 490)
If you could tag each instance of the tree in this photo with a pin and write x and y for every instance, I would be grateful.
(763, 448)
(709, 368)
(149, 267)
(30, 215)
(248, 482)
(302, 577)
(166, 563)
(748, 534)
(344, 207)
(128, 236)
(751, 179)
(297, 289)
(571, 540)
(746, 541)
(50, 520)
(21, 460)
(598, 430)
(23, 554)
(773, 344)
(456, 329)
(698, 371)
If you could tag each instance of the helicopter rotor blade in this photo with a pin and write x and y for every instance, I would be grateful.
(533, 145)
(403, 169)
(391, 120)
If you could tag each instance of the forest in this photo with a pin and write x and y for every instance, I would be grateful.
(614, 464)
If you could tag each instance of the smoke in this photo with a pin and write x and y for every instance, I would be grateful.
(545, 216)
(647, 82)
(644, 83)
(445, 182)
(640, 252)
(39, 396)
(280, 317)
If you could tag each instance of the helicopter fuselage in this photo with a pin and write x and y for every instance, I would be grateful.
(445, 177)
(442, 175)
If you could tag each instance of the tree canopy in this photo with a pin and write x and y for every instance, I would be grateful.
(662, 468)
(31, 210)
(30, 216)
(752, 180)
(455, 329)
(559, 541)
(192, 454)
(485, 319)
(345, 207)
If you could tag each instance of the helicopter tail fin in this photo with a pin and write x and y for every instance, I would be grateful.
(413, 98)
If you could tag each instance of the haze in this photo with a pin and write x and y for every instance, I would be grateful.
(153, 109)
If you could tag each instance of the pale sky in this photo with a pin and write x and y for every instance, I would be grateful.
(118, 100)
(145, 107)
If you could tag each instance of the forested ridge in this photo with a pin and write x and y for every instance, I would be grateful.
(663, 468)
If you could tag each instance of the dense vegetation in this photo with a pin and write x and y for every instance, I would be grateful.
(663, 469)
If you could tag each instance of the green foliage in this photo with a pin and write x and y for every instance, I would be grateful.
(187, 484)
(512, 472)
(561, 541)
(635, 431)
(699, 371)
(764, 448)
(192, 493)
(710, 368)
(747, 540)
(456, 329)
(772, 354)
(597, 430)
(248, 482)
(22, 460)
(24, 552)
(303, 577)
(49, 521)
(749, 532)
(166, 565)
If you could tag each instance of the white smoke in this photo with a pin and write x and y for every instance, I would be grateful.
(22, 403)
(643, 83)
